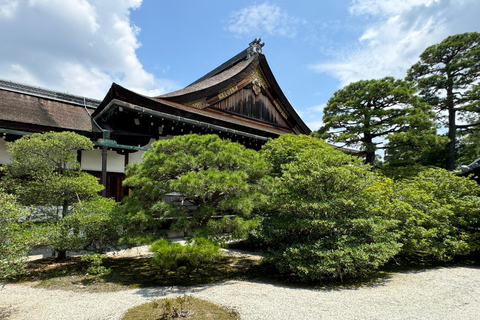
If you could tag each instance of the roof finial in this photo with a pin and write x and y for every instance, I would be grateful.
(254, 47)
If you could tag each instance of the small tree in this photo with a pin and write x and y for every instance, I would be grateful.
(45, 173)
(92, 225)
(326, 219)
(367, 113)
(448, 77)
(211, 175)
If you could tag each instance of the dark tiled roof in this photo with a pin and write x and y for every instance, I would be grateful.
(49, 94)
(35, 109)
(227, 75)
(212, 79)
(465, 170)
(226, 65)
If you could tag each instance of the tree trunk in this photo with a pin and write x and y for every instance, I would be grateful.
(452, 130)
(370, 158)
(369, 150)
(62, 255)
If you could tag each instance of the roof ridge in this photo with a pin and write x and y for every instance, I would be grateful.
(224, 66)
(254, 47)
(49, 94)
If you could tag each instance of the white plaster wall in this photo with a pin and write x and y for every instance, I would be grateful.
(136, 157)
(4, 156)
(92, 160)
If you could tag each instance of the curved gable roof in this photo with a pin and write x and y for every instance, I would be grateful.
(230, 77)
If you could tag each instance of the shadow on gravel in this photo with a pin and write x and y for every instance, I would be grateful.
(154, 281)
(5, 312)
(140, 273)
(134, 273)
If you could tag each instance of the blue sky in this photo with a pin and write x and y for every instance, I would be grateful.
(314, 47)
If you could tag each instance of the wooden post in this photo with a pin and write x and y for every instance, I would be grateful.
(104, 171)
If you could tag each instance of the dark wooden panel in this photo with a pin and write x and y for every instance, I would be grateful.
(246, 103)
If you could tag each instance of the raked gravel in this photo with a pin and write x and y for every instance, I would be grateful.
(443, 293)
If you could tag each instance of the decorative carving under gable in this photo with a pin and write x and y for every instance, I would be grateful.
(280, 109)
(225, 93)
(257, 75)
(199, 104)
(257, 87)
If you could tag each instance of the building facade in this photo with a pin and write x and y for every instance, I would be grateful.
(240, 100)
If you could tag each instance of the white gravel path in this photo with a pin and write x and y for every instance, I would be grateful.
(443, 293)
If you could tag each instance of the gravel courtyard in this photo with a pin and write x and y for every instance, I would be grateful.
(443, 293)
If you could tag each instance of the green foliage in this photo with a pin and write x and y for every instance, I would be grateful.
(326, 219)
(44, 170)
(45, 173)
(414, 148)
(402, 172)
(91, 226)
(173, 254)
(13, 244)
(227, 229)
(95, 268)
(212, 175)
(469, 148)
(439, 214)
(447, 77)
(365, 112)
(285, 149)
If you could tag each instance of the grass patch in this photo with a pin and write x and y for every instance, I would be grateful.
(183, 307)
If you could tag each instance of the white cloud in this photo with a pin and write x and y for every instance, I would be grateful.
(76, 46)
(8, 9)
(377, 7)
(263, 19)
(396, 33)
(318, 108)
(314, 125)
(314, 115)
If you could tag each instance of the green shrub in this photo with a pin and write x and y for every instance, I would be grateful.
(173, 254)
(95, 268)
(91, 226)
(14, 242)
(439, 214)
(213, 176)
(327, 216)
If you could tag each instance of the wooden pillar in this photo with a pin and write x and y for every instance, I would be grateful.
(104, 171)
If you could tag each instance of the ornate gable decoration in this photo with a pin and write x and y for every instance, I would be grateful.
(251, 98)
(254, 47)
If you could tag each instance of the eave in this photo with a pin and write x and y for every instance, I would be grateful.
(119, 97)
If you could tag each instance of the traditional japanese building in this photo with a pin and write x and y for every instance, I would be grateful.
(240, 100)
(472, 170)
